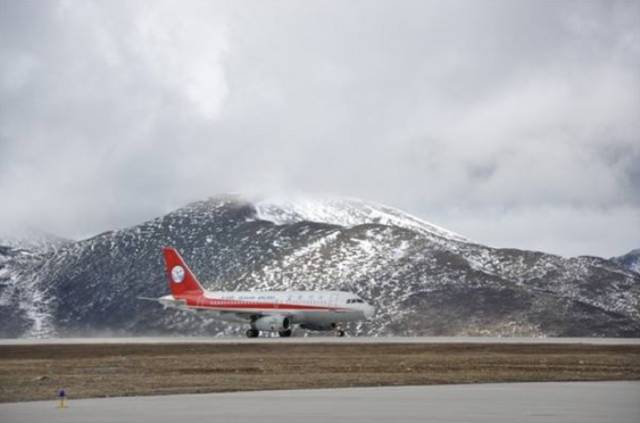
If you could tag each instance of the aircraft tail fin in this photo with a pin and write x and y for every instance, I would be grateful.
(181, 280)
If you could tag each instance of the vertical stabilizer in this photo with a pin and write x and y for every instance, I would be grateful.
(181, 280)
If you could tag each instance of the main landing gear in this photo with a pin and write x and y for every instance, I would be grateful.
(285, 333)
(254, 333)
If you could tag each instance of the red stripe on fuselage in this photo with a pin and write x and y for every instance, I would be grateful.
(212, 303)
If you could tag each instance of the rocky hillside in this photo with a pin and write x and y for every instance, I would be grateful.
(423, 279)
(631, 260)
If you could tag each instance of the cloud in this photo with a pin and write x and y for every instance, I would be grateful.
(521, 113)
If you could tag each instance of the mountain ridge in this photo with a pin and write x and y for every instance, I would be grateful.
(423, 281)
(630, 260)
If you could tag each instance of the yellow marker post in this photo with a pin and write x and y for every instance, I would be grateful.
(62, 396)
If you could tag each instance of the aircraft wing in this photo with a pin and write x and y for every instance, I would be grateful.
(238, 316)
(249, 316)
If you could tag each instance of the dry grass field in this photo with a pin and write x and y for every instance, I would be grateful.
(36, 372)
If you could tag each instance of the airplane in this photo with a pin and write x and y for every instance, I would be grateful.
(264, 311)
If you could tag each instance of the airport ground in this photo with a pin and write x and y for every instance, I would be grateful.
(87, 370)
(557, 402)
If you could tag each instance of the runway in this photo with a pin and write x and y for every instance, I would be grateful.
(571, 402)
(322, 340)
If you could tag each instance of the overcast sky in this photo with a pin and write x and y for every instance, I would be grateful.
(514, 123)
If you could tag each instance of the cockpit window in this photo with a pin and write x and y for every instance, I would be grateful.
(355, 300)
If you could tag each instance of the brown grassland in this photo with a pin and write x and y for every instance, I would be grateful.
(36, 372)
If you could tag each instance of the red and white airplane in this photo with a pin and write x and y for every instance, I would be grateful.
(267, 311)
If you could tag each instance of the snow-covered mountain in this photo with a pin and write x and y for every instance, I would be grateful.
(631, 260)
(29, 239)
(21, 290)
(346, 212)
(423, 279)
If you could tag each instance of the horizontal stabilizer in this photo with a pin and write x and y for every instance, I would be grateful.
(168, 301)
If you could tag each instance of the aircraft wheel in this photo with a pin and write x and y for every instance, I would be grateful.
(252, 333)
(285, 333)
(340, 333)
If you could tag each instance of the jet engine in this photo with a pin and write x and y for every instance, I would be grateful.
(272, 323)
(318, 326)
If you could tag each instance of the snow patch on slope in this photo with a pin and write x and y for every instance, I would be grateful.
(31, 240)
(24, 290)
(346, 213)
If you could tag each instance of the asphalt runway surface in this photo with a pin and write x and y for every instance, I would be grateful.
(323, 340)
(559, 402)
